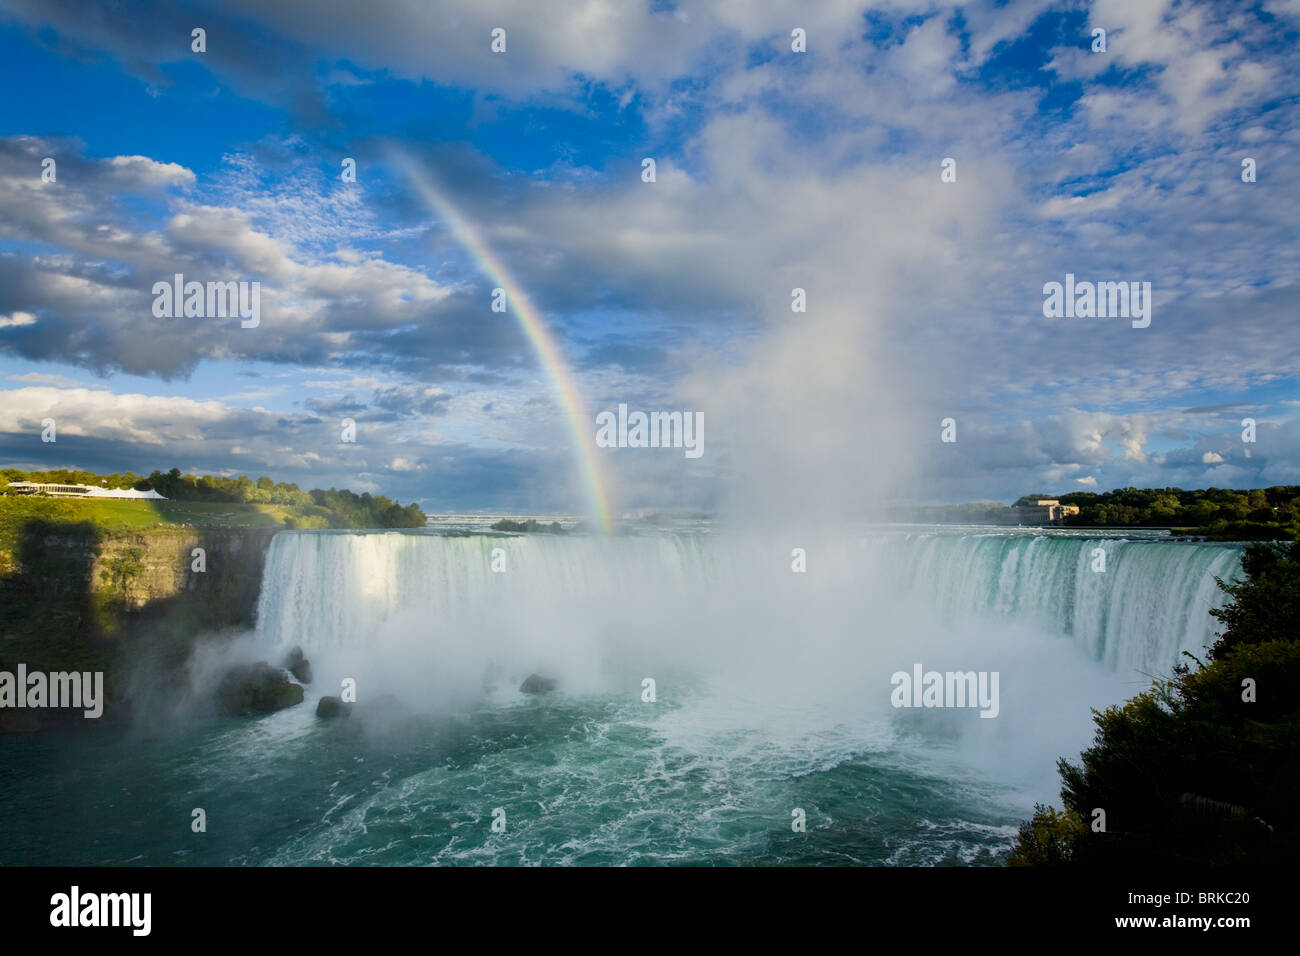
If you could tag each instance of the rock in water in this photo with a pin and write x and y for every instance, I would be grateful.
(537, 684)
(256, 689)
(298, 665)
(333, 707)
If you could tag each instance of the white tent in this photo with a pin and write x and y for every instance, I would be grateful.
(79, 491)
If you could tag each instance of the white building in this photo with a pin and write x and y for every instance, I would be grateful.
(79, 491)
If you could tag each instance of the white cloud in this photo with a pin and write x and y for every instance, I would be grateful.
(44, 378)
(137, 418)
(922, 295)
(144, 171)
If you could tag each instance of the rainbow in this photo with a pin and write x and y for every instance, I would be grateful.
(530, 320)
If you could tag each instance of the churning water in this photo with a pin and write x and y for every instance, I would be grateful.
(771, 695)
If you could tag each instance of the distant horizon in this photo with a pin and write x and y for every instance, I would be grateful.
(488, 512)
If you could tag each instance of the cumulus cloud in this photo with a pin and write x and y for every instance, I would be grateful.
(775, 171)
(97, 292)
(100, 429)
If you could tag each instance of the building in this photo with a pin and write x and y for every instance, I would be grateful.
(1043, 511)
(78, 491)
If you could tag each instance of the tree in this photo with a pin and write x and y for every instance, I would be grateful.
(121, 567)
(1164, 507)
(1266, 604)
(1197, 770)
(1047, 839)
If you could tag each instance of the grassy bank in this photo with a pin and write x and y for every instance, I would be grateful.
(103, 518)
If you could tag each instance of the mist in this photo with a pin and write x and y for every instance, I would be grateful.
(721, 624)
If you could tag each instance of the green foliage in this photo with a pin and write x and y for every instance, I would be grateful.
(1193, 771)
(121, 567)
(531, 526)
(314, 509)
(1259, 514)
(1266, 605)
(308, 522)
(112, 516)
(1047, 839)
(348, 510)
(1218, 513)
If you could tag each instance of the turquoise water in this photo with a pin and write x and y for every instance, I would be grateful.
(583, 781)
(772, 696)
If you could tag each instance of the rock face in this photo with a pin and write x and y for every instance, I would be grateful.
(256, 689)
(159, 564)
(333, 707)
(537, 684)
(298, 665)
(74, 597)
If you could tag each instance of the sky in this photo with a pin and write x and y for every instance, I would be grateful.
(774, 170)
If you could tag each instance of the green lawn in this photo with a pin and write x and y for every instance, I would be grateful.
(109, 516)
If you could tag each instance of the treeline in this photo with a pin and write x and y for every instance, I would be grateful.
(531, 526)
(1203, 768)
(1222, 512)
(368, 511)
(345, 508)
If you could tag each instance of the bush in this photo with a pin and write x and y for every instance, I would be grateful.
(1047, 839)
(1202, 768)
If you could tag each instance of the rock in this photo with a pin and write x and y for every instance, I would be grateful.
(298, 665)
(537, 684)
(255, 689)
(333, 707)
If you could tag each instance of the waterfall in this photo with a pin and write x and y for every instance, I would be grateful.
(1150, 603)
(347, 590)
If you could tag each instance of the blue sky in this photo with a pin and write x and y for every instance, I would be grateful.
(775, 170)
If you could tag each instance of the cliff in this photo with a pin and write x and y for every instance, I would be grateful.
(143, 569)
(128, 603)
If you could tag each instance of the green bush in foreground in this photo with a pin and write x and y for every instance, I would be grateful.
(1047, 839)
(1202, 768)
